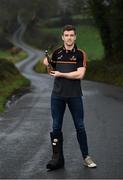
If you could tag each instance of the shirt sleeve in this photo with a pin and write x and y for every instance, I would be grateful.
(81, 59)
(54, 56)
(53, 60)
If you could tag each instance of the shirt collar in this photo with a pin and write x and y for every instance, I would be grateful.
(73, 50)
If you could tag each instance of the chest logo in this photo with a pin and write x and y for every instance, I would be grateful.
(73, 58)
(59, 57)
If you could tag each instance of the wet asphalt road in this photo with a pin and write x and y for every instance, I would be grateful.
(25, 126)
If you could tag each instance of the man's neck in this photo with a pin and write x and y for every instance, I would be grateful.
(68, 47)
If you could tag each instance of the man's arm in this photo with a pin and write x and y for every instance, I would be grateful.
(79, 74)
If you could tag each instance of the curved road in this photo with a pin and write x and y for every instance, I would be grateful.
(25, 126)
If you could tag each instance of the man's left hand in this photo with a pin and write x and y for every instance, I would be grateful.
(55, 73)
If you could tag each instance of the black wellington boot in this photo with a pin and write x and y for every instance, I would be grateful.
(57, 160)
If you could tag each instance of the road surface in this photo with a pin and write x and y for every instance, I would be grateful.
(24, 130)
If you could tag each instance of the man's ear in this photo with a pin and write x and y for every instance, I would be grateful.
(62, 37)
(75, 37)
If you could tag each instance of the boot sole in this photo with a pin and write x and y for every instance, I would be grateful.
(50, 167)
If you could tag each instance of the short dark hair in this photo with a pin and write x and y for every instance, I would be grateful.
(69, 28)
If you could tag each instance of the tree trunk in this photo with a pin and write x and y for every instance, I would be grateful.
(100, 14)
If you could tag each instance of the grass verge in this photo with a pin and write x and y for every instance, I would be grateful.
(105, 72)
(40, 67)
(11, 87)
(11, 81)
(7, 54)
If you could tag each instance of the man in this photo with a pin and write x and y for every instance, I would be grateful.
(69, 65)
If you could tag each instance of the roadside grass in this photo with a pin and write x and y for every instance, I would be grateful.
(11, 80)
(11, 87)
(6, 54)
(40, 67)
(105, 72)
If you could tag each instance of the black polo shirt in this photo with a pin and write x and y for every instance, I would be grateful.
(67, 61)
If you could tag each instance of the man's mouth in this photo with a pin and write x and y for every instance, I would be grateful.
(69, 41)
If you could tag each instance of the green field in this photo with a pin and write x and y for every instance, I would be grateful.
(88, 39)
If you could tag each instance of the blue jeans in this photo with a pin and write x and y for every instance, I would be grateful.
(75, 104)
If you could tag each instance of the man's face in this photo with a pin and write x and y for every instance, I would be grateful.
(69, 37)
